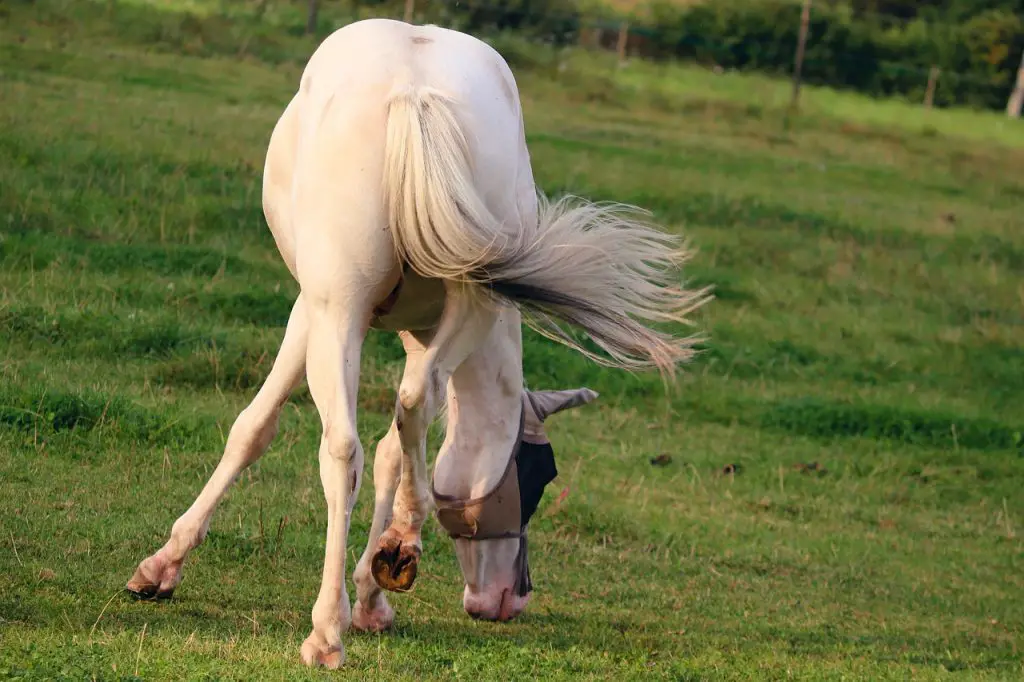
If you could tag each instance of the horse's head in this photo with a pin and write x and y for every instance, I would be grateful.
(490, 526)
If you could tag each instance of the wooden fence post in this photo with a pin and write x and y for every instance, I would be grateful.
(623, 41)
(1014, 104)
(409, 7)
(314, 8)
(929, 93)
(798, 65)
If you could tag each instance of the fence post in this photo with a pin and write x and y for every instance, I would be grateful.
(314, 7)
(929, 93)
(409, 7)
(798, 65)
(1013, 105)
(623, 40)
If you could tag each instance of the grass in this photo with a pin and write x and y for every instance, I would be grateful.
(868, 321)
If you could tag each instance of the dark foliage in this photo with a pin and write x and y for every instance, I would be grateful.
(977, 45)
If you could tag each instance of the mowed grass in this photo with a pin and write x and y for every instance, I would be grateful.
(863, 385)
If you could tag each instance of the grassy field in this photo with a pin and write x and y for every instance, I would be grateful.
(864, 382)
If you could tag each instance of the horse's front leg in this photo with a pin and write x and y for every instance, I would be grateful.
(251, 434)
(464, 325)
(372, 612)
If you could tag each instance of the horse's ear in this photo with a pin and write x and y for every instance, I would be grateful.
(547, 403)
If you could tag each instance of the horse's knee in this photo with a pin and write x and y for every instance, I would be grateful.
(414, 389)
(416, 392)
(410, 395)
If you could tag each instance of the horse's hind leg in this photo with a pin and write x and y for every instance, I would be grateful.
(337, 330)
(251, 434)
(465, 324)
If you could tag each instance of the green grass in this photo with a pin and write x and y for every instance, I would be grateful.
(869, 318)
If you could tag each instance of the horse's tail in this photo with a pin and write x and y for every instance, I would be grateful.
(597, 267)
(603, 269)
(440, 224)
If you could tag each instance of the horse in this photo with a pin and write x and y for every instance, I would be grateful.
(399, 191)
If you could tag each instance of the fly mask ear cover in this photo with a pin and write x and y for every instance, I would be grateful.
(505, 511)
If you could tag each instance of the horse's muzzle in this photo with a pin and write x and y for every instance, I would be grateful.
(500, 605)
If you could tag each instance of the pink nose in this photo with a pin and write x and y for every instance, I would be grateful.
(493, 604)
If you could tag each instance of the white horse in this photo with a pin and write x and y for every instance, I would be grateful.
(399, 191)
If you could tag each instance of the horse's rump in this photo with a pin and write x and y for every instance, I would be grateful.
(600, 268)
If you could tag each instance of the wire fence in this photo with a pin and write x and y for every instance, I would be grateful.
(838, 50)
(925, 63)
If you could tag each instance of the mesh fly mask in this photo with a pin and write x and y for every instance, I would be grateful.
(505, 511)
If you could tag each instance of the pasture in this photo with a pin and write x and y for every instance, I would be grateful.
(833, 490)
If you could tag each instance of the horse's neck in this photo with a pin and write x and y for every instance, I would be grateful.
(485, 398)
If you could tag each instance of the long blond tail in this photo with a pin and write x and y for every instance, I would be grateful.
(599, 267)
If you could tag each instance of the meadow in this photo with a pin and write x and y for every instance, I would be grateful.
(832, 490)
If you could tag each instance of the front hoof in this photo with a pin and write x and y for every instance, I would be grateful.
(317, 652)
(395, 563)
(377, 619)
(154, 579)
(147, 592)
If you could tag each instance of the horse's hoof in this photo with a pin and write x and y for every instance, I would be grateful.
(147, 592)
(395, 563)
(377, 619)
(154, 579)
(316, 652)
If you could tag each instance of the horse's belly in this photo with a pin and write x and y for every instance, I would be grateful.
(418, 306)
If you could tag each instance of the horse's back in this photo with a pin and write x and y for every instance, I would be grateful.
(374, 57)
